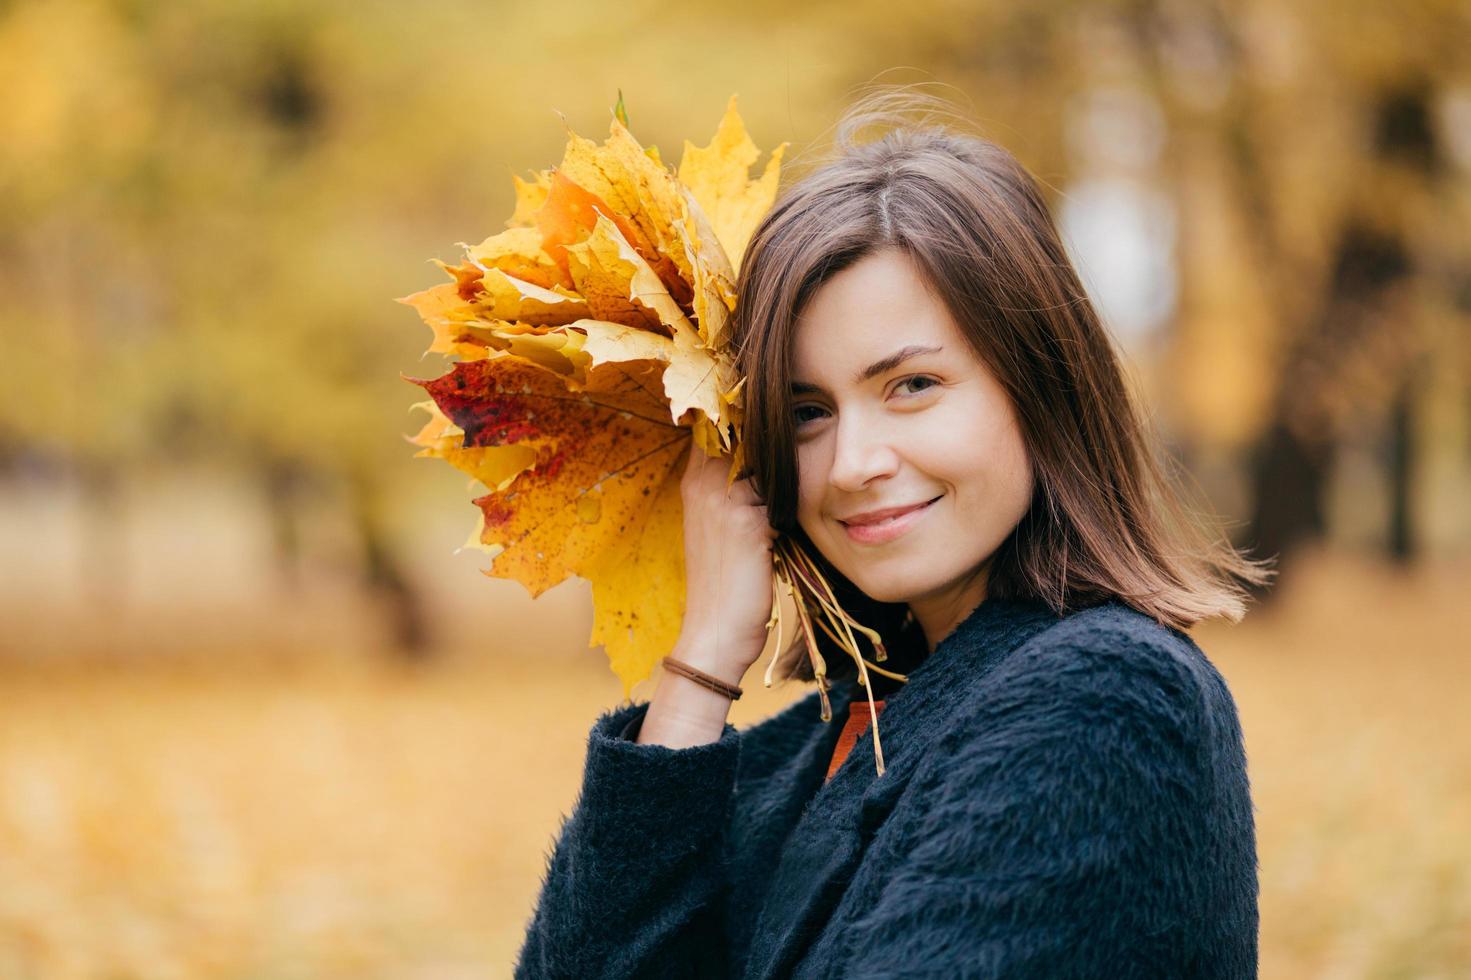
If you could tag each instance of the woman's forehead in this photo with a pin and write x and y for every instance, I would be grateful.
(868, 326)
(881, 283)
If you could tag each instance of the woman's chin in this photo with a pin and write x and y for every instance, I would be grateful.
(883, 591)
(880, 589)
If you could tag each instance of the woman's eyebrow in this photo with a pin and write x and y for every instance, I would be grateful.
(875, 369)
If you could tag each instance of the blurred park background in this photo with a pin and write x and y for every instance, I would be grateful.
(260, 717)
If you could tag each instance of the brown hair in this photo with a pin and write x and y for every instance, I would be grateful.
(1108, 518)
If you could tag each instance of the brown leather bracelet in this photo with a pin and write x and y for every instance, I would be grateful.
(703, 679)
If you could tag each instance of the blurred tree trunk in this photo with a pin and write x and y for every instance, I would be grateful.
(282, 481)
(1359, 317)
(1289, 480)
(1295, 455)
(383, 571)
(1402, 543)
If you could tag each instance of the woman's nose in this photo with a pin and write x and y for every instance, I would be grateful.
(862, 454)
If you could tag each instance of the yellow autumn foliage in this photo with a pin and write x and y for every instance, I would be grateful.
(591, 355)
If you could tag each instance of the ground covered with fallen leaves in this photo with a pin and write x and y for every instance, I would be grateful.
(287, 817)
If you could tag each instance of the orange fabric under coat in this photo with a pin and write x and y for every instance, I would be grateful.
(858, 720)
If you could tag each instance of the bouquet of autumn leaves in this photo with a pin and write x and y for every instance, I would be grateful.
(591, 356)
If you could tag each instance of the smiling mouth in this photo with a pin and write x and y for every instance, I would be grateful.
(891, 518)
(889, 529)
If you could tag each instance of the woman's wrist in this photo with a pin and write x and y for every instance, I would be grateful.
(683, 712)
(673, 665)
(722, 657)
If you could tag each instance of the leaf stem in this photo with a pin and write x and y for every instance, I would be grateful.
(804, 582)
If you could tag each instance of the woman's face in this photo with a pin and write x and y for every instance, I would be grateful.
(934, 431)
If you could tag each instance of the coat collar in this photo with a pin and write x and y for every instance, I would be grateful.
(826, 846)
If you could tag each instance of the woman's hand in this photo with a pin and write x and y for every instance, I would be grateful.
(728, 574)
(728, 584)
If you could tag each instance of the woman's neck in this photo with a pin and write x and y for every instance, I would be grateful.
(939, 613)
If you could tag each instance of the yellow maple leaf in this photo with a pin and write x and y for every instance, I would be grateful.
(530, 197)
(517, 252)
(718, 177)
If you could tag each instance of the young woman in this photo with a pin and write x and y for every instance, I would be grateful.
(935, 411)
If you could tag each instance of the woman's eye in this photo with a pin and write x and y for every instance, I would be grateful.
(917, 378)
(924, 381)
(799, 418)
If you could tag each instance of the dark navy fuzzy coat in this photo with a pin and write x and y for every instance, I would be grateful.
(1063, 797)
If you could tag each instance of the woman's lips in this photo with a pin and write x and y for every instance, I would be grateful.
(887, 530)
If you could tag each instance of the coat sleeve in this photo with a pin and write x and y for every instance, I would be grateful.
(1077, 823)
(633, 884)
